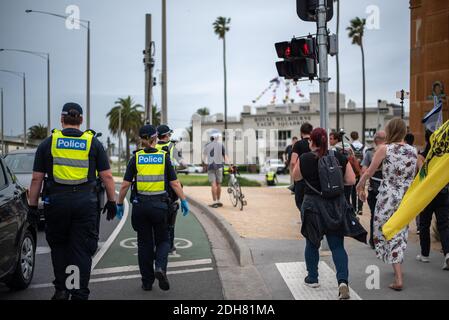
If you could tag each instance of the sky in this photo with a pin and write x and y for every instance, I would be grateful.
(195, 70)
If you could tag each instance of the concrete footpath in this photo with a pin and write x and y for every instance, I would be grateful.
(268, 230)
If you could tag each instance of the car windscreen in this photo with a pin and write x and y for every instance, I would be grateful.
(20, 162)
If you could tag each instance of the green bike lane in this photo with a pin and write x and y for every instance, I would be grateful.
(192, 270)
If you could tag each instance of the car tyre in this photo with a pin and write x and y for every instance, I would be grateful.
(23, 275)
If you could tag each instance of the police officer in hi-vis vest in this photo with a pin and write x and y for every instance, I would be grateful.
(164, 135)
(154, 174)
(71, 159)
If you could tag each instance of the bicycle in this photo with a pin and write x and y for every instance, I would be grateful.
(235, 190)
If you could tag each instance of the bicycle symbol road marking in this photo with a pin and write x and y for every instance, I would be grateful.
(180, 243)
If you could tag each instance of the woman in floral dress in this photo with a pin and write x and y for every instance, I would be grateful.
(400, 164)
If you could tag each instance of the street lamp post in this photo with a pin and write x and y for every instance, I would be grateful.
(45, 56)
(119, 139)
(22, 75)
(164, 111)
(85, 24)
(2, 122)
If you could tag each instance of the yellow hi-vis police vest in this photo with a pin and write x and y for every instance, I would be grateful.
(150, 173)
(71, 157)
(170, 146)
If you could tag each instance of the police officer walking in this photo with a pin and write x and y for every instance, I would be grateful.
(69, 159)
(153, 173)
(165, 144)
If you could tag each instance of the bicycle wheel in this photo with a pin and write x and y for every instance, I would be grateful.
(240, 196)
(232, 195)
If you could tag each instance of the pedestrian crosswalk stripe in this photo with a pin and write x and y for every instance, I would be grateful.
(294, 274)
(178, 264)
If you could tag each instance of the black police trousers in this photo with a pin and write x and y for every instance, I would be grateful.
(439, 206)
(149, 219)
(71, 232)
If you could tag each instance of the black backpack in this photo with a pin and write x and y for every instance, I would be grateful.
(358, 152)
(331, 177)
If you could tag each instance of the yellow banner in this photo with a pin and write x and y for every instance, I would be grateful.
(434, 176)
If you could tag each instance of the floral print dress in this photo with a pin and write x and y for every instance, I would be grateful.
(399, 170)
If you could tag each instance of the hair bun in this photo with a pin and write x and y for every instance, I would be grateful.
(74, 113)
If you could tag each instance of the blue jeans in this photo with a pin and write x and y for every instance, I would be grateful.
(339, 256)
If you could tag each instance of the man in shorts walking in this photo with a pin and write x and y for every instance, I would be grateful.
(215, 157)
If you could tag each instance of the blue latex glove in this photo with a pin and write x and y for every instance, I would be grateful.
(185, 207)
(120, 211)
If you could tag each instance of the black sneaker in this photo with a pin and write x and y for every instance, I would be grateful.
(161, 276)
(311, 283)
(147, 287)
(61, 295)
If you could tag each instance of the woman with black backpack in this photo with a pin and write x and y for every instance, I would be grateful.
(325, 210)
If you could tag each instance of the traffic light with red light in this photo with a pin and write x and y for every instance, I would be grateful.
(299, 58)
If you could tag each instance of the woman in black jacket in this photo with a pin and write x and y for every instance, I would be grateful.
(324, 216)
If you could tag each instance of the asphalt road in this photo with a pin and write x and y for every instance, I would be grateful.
(192, 271)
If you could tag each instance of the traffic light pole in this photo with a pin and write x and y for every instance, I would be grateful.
(323, 77)
(322, 58)
(148, 72)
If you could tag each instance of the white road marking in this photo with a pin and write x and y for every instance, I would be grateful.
(49, 285)
(188, 263)
(136, 276)
(47, 250)
(111, 238)
(294, 274)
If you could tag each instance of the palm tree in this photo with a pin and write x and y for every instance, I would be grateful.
(37, 132)
(132, 119)
(221, 26)
(156, 116)
(338, 66)
(356, 31)
(203, 111)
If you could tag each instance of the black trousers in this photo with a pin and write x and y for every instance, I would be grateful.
(439, 206)
(72, 234)
(299, 193)
(149, 220)
(357, 204)
(348, 192)
(372, 201)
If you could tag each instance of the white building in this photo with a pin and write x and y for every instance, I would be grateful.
(273, 126)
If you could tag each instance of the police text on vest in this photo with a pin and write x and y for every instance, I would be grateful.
(151, 159)
(71, 144)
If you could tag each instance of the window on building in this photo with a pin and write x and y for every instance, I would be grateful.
(284, 135)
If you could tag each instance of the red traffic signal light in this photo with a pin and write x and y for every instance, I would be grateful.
(299, 58)
(303, 48)
(283, 49)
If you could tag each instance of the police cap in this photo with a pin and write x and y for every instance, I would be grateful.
(147, 131)
(163, 130)
(71, 106)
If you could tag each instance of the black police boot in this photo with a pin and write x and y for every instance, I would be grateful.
(147, 287)
(161, 276)
(61, 295)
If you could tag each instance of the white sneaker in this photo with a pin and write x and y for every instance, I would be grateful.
(343, 292)
(421, 258)
(446, 263)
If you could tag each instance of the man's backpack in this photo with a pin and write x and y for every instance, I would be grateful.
(358, 152)
(331, 177)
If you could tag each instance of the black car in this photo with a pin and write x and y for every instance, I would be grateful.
(17, 233)
(21, 164)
